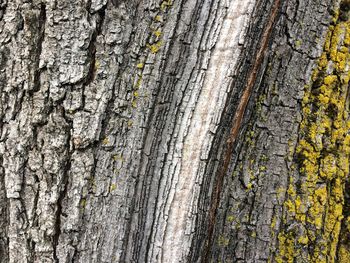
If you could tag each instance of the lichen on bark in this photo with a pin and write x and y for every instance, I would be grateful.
(314, 206)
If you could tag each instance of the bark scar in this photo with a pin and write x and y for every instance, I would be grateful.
(237, 121)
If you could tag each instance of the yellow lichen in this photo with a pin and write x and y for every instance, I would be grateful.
(140, 65)
(157, 33)
(97, 65)
(154, 48)
(134, 103)
(303, 240)
(118, 157)
(344, 255)
(249, 186)
(286, 249)
(158, 18)
(230, 219)
(138, 82)
(273, 223)
(253, 234)
(112, 187)
(262, 168)
(165, 4)
(83, 203)
(223, 241)
(105, 141)
(323, 157)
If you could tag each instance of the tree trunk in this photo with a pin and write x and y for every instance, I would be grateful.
(174, 131)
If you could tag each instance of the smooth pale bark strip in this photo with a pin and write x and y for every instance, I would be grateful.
(202, 109)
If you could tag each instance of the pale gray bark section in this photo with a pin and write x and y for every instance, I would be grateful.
(115, 117)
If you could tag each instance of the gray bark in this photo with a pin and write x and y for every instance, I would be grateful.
(153, 131)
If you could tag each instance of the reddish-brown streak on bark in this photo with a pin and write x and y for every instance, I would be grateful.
(237, 121)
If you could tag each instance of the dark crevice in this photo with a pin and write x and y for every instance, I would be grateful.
(151, 120)
(92, 47)
(64, 185)
(3, 5)
(38, 47)
(4, 216)
(344, 235)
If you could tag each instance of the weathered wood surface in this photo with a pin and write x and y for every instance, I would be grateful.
(156, 131)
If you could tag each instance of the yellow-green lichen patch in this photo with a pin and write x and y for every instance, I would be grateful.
(155, 42)
(253, 234)
(137, 85)
(140, 65)
(138, 82)
(154, 48)
(273, 223)
(157, 33)
(82, 204)
(249, 186)
(165, 4)
(298, 43)
(158, 18)
(105, 141)
(97, 65)
(118, 157)
(112, 187)
(134, 103)
(230, 218)
(286, 248)
(322, 152)
(223, 241)
(344, 254)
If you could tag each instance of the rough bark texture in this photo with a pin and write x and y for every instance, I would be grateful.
(174, 131)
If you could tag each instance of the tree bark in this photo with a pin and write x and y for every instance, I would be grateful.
(174, 131)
